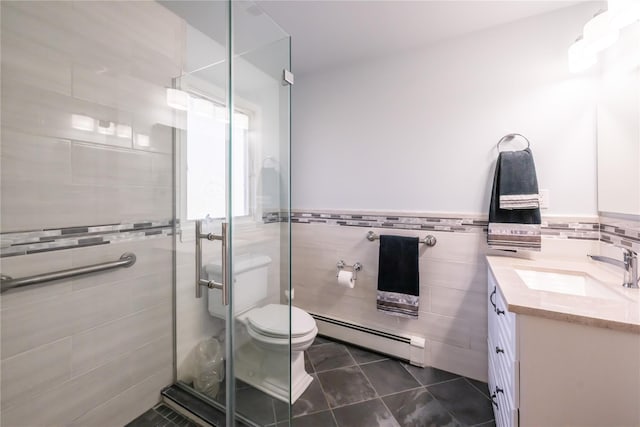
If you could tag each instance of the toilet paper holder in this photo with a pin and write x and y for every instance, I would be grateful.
(354, 268)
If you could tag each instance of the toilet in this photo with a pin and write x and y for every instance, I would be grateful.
(262, 331)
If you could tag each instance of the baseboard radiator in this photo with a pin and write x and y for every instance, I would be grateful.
(407, 347)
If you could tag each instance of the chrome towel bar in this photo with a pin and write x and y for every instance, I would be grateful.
(7, 282)
(429, 240)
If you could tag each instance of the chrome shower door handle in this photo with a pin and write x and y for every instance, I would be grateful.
(225, 284)
(212, 284)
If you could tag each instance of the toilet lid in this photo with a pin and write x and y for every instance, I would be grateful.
(273, 319)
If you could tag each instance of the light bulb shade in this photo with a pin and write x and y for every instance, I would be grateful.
(599, 32)
(581, 56)
(177, 99)
(203, 108)
(623, 12)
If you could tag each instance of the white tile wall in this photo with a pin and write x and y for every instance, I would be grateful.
(81, 325)
(453, 290)
(37, 369)
(71, 59)
(126, 406)
(94, 350)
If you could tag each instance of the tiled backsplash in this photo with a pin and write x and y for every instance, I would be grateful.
(551, 227)
(624, 233)
(53, 239)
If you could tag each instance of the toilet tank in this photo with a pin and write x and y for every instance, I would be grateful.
(250, 279)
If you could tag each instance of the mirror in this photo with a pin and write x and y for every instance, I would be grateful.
(618, 126)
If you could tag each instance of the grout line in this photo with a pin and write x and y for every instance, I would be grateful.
(413, 376)
(443, 382)
(443, 407)
(324, 394)
(340, 367)
(305, 356)
(390, 413)
(380, 397)
(476, 388)
(428, 385)
(403, 391)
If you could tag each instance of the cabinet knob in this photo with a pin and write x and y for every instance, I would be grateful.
(499, 311)
(499, 390)
(499, 350)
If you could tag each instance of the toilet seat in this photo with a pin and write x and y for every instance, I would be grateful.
(272, 320)
(269, 326)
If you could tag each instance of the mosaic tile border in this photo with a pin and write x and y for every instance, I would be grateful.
(621, 233)
(55, 239)
(554, 228)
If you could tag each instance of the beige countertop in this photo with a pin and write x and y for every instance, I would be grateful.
(619, 310)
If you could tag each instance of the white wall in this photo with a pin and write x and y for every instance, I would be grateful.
(417, 131)
(619, 126)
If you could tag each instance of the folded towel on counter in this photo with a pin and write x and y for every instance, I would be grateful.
(518, 225)
(398, 278)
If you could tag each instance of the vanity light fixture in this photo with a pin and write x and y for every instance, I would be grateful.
(600, 33)
(142, 140)
(623, 12)
(203, 107)
(581, 56)
(177, 99)
(82, 122)
(106, 127)
(123, 131)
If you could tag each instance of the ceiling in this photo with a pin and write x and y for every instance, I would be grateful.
(330, 33)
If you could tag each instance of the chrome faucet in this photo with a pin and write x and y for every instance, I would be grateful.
(629, 264)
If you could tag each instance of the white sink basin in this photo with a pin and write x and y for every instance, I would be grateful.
(566, 282)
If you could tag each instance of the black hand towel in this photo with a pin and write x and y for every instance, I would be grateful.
(398, 278)
(515, 227)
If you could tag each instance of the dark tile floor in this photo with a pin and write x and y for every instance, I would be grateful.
(354, 387)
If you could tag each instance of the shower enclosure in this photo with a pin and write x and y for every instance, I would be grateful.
(232, 181)
(158, 129)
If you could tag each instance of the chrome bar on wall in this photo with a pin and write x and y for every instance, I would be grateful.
(211, 284)
(7, 282)
(429, 240)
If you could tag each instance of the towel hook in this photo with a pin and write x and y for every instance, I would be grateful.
(510, 136)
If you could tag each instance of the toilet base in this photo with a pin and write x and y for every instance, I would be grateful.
(269, 371)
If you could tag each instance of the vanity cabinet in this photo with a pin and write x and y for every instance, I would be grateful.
(504, 371)
(554, 372)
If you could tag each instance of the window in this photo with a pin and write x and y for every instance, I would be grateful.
(206, 164)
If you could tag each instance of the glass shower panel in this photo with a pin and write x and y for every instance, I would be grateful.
(260, 249)
(232, 168)
(199, 97)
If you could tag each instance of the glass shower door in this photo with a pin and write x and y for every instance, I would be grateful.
(260, 210)
(232, 194)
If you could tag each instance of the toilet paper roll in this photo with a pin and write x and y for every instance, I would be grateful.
(345, 278)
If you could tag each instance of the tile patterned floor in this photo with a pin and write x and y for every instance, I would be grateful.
(354, 387)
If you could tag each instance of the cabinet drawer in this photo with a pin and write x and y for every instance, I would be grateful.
(502, 323)
(506, 375)
(502, 409)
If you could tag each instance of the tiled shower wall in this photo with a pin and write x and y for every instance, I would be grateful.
(453, 275)
(86, 176)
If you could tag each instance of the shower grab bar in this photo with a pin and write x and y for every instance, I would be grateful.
(7, 282)
(429, 240)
